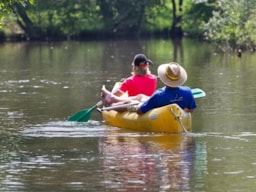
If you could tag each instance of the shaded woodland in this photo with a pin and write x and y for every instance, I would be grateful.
(229, 22)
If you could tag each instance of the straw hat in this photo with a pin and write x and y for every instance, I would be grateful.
(172, 74)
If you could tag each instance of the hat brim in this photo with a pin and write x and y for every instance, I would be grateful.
(161, 73)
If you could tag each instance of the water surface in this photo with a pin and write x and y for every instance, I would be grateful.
(42, 84)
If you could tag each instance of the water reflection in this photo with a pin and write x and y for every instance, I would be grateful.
(131, 163)
(89, 156)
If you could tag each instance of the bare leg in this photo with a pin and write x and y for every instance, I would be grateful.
(108, 98)
(140, 97)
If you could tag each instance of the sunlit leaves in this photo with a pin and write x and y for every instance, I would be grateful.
(5, 8)
(233, 22)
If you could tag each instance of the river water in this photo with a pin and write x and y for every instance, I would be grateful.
(42, 84)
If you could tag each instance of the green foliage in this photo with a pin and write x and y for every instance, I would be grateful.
(5, 7)
(63, 17)
(196, 12)
(229, 21)
(158, 17)
(76, 17)
(47, 18)
(233, 22)
(127, 17)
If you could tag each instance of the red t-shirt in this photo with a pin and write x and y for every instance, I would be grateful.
(136, 84)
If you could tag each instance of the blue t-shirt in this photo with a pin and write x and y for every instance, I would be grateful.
(182, 96)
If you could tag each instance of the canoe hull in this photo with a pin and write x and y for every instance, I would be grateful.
(167, 119)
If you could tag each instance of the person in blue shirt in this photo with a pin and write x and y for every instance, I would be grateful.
(173, 76)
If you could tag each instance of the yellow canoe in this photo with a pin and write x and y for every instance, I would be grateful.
(167, 119)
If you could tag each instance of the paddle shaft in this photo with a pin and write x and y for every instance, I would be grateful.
(118, 106)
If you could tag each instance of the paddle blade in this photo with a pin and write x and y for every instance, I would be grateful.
(198, 93)
(82, 116)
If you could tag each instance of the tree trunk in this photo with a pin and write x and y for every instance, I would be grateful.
(176, 27)
(24, 22)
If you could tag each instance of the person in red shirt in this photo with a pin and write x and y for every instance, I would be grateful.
(139, 86)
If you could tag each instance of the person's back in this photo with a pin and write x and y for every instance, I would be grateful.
(173, 76)
(181, 96)
(141, 81)
(139, 85)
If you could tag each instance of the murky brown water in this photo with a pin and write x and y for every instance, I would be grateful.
(42, 84)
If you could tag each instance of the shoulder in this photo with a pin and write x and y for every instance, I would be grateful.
(185, 89)
(128, 79)
(151, 76)
(160, 91)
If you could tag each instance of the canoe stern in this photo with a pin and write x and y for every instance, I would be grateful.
(167, 119)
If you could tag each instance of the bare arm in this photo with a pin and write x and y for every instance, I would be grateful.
(188, 110)
(139, 111)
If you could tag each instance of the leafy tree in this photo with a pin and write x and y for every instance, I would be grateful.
(126, 17)
(176, 26)
(76, 18)
(5, 9)
(233, 23)
(196, 13)
(5, 5)
(229, 21)
(57, 19)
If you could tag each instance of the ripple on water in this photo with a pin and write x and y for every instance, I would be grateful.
(67, 129)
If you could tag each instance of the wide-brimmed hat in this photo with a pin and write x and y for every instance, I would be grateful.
(172, 74)
(141, 60)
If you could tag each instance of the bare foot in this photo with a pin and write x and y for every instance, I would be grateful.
(106, 97)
